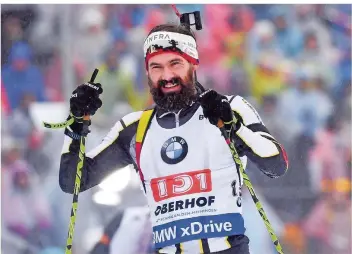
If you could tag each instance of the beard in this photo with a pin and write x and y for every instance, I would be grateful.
(177, 100)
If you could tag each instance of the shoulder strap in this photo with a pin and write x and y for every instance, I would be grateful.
(142, 128)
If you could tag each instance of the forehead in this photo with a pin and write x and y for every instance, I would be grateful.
(165, 58)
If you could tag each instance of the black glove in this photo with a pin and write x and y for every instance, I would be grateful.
(216, 106)
(84, 101)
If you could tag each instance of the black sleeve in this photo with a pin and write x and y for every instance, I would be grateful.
(254, 140)
(111, 154)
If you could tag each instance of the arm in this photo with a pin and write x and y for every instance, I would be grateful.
(111, 154)
(254, 140)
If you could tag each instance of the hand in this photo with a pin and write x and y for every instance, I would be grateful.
(216, 106)
(85, 99)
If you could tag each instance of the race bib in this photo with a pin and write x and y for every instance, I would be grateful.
(187, 208)
(197, 228)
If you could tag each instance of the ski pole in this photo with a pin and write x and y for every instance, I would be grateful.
(81, 155)
(247, 182)
(249, 185)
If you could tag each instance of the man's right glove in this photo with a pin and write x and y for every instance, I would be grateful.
(84, 101)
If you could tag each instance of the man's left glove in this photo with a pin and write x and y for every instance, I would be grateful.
(217, 106)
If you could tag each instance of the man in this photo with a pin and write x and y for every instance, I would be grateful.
(187, 172)
(128, 232)
(21, 76)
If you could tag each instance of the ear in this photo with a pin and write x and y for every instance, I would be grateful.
(146, 73)
(195, 67)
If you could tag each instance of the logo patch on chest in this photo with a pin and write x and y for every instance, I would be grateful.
(174, 150)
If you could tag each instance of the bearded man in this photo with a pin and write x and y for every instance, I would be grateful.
(187, 173)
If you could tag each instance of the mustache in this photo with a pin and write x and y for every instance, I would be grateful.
(175, 80)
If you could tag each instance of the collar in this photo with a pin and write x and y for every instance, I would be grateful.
(162, 113)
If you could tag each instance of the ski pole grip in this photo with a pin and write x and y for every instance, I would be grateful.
(85, 130)
(94, 75)
(86, 118)
(220, 123)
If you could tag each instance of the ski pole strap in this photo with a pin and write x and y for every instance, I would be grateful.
(71, 134)
(72, 118)
(59, 125)
(233, 121)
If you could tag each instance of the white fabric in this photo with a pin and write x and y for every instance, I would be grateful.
(186, 43)
(206, 150)
(260, 146)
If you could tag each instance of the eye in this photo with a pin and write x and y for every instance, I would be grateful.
(175, 63)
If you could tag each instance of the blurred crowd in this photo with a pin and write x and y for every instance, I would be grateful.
(292, 62)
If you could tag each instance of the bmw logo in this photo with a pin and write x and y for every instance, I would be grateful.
(174, 150)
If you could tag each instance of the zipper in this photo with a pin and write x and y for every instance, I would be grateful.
(177, 118)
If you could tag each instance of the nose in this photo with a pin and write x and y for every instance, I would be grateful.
(168, 74)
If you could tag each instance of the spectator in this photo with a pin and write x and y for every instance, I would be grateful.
(92, 39)
(13, 32)
(236, 62)
(328, 160)
(153, 17)
(5, 107)
(118, 88)
(241, 20)
(309, 22)
(344, 77)
(289, 37)
(118, 236)
(54, 76)
(261, 40)
(299, 102)
(266, 78)
(25, 209)
(21, 76)
(326, 226)
(20, 122)
(288, 68)
(36, 156)
(321, 55)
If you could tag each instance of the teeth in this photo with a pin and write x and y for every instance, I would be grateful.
(170, 85)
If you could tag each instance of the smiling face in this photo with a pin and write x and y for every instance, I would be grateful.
(171, 81)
